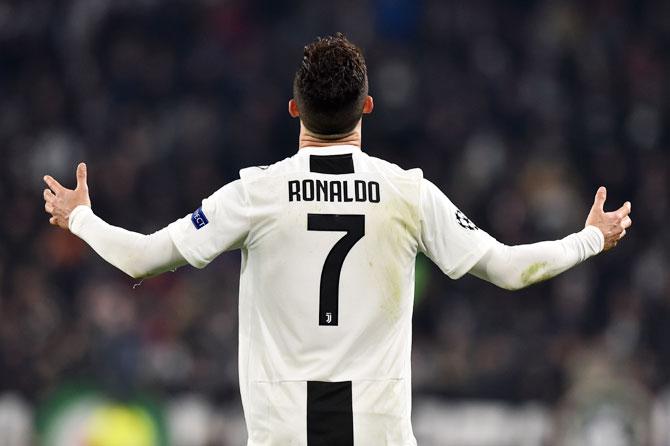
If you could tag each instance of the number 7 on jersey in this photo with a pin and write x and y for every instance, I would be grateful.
(354, 226)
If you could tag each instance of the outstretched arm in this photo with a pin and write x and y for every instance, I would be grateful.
(135, 254)
(515, 267)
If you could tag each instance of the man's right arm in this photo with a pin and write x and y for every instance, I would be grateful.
(458, 246)
(516, 267)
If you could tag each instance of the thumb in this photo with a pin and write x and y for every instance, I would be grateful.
(81, 176)
(599, 201)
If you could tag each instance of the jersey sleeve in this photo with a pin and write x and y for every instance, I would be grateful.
(448, 237)
(220, 224)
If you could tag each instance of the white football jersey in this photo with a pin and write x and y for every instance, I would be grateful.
(329, 239)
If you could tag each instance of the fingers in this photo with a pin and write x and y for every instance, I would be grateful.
(601, 196)
(49, 199)
(623, 211)
(53, 221)
(49, 196)
(81, 176)
(625, 222)
(53, 184)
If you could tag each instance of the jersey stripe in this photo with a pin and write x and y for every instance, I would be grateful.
(332, 164)
(330, 420)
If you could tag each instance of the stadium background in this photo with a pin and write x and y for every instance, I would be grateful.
(518, 110)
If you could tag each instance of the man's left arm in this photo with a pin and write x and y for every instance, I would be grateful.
(135, 254)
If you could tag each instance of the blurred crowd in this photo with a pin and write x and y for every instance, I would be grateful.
(517, 110)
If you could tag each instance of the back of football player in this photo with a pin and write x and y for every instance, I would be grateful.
(326, 298)
(328, 239)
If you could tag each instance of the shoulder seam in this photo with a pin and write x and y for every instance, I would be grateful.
(420, 213)
(247, 211)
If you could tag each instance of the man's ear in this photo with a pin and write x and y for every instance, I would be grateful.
(368, 105)
(293, 108)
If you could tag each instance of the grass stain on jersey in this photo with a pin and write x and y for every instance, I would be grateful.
(393, 302)
(403, 228)
(534, 273)
(390, 239)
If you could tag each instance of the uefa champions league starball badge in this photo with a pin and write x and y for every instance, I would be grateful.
(464, 221)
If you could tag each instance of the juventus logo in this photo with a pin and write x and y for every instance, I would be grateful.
(329, 317)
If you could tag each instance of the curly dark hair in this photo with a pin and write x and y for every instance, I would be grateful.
(331, 85)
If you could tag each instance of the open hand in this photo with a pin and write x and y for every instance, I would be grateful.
(60, 201)
(613, 225)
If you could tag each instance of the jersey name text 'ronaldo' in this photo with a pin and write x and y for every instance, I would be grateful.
(334, 191)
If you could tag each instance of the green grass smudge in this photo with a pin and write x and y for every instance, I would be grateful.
(534, 273)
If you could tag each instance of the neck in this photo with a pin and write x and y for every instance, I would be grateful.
(310, 139)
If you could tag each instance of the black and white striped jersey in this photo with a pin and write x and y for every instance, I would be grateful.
(329, 238)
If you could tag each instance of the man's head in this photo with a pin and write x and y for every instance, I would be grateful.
(330, 88)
